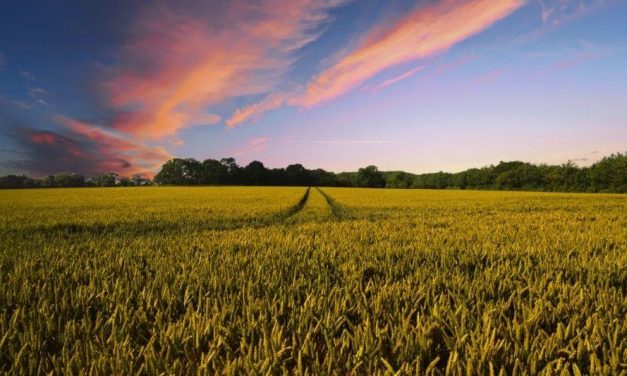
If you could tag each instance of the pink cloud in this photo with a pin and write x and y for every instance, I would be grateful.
(43, 138)
(579, 59)
(176, 64)
(490, 76)
(254, 111)
(424, 32)
(342, 142)
(111, 148)
(396, 79)
(253, 145)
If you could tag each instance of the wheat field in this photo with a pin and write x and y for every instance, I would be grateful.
(257, 281)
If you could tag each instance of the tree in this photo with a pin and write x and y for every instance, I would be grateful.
(180, 171)
(14, 181)
(214, 172)
(322, 178)
(105, 180)
(609, 174)
(69, 180)
(138, 180)
(296, 174)
(172, 172)
(438, 180)
(519, 175)
(398, 179)
(193, 171)
(256, 173)
(233, 170)
(370, 177)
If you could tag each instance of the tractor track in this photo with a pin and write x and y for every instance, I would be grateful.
(67, 230)
(298, 207)
(336, 209)
(284, 217)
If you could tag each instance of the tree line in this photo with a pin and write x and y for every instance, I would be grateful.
(72, 180)
(607, 175)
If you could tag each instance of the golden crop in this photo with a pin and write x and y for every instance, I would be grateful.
(292, 281)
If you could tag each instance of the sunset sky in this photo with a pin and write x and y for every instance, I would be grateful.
(421, 86)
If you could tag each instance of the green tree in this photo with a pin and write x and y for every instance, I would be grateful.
(609, 174)
(108, 179)
(69, 180)
(180, 171)
(370, 177)
(214, 172)
(256, 173)
(398, 179)
(296, 174)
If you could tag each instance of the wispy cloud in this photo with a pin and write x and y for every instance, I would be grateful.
(567, 58)
(81, 147)
(396, 79)
(38, 95)
(424, 32)
(21, 105)
(112, 146)
(177, 64)
(341, 142)
(490, 76)
(555, 13)
(36, 92)
(27, 75)
(255, 110)
(579, 59)
(559, 11)
(8, 104)
(43, 102)
(253, 145)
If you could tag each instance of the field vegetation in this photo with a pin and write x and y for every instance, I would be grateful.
(261, 280)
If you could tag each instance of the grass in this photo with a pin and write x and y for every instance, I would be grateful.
(320, 281)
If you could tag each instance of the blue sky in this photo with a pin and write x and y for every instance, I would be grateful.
(415, 85)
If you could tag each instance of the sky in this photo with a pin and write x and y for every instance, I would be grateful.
(422, 86)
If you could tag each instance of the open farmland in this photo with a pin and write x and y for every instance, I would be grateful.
(312, 281)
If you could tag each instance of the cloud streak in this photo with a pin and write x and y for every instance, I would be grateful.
(424, 32)
(342, 142)
(555, 13)
(177, 64)
(255, 110)
(140, 158)
(27, 75)
(254, 145)
(83, 148)
(396, 79)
